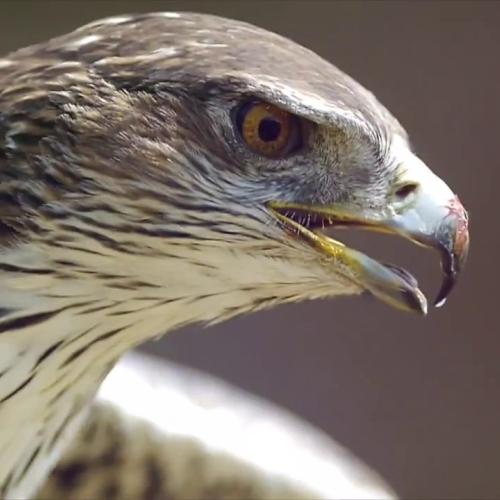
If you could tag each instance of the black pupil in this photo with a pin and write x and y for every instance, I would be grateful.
(269, 130)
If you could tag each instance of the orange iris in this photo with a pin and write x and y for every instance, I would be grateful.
(269, 130)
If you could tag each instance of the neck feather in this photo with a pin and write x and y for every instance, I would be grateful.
(61, 332)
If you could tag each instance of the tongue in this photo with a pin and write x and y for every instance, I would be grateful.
(403, 274)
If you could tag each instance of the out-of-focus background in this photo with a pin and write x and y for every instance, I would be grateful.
(417, 399)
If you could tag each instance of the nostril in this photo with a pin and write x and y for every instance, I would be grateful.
(406, 190)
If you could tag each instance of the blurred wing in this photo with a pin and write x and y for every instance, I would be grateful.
(158, 430)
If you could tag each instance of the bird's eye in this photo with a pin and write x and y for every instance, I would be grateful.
(268, 130)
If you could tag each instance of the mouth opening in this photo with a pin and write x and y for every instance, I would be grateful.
(317, 221)
(389, 282)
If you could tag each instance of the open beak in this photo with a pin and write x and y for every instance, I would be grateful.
(422, 209)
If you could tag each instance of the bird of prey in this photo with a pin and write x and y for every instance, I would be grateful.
(163, 169)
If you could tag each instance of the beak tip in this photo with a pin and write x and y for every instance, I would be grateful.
(424, 310)
(453, 239)
(439, 302)
(415, 301)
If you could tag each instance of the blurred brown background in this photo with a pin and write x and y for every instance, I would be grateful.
(417, 399)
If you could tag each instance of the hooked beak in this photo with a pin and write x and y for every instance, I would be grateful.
(422, 208)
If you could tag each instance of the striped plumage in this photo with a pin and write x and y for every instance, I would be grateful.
(129, 206)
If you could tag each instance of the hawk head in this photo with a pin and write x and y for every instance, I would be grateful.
(192, 161)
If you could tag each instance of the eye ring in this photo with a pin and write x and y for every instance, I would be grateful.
(268, 130)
